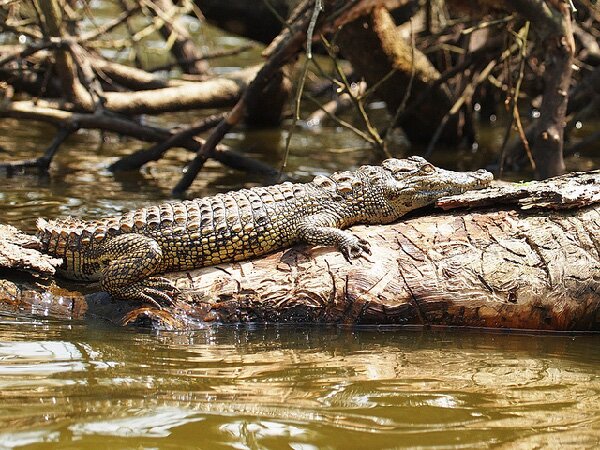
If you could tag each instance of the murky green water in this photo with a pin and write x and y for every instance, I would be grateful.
(87, 385)
(84, 386)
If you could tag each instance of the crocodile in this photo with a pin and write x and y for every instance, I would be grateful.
(126, 253)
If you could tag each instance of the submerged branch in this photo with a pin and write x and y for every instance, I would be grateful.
(117, 124)
(136, 160)
(43, 162)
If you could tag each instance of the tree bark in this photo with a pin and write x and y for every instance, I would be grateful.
(548, 145)
(532, 265)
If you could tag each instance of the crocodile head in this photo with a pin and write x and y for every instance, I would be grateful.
(407, 184)
(414, 182)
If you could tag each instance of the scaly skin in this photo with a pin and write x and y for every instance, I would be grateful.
(125, 253)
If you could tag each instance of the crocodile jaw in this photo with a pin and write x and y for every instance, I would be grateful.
(416, 183)
(446, 182)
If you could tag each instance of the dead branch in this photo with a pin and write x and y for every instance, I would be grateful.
(43, 162)
(65, 66)
(205, 57)
(136, 160)
(128, 77)
(106, 121)
(183, 48)
(214, 93)
(113, 73)
(155, 96)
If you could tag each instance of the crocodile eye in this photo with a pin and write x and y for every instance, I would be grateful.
(428, 168)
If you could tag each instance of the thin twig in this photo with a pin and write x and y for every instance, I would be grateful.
(521, 42)
(375, 138)
(407, 94)
(109, 26)
(516, 114)
(467, 93)
(297, 98)
(487, 24)
(341, 122)
(295, 117)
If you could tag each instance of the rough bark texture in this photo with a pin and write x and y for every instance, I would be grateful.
(17, 251)
(573, 190)
(534, 266)
(548, 145)
(375, 48)
(499, 269)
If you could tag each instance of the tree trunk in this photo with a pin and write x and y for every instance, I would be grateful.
(530, 266)
(376, 49)
(551, 22)
(556, 34)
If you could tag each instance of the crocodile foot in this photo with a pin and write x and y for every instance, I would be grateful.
(354, 247)
(157, 291)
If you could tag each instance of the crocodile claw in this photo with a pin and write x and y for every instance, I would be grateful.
(355, 247)
(157, 291)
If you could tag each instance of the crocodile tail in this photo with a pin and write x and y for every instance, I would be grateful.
(44, 233)
(56, 235)
(41, 224)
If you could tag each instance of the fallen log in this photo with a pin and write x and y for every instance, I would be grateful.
(534, 264)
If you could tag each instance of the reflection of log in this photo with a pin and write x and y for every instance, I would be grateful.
(536, 267)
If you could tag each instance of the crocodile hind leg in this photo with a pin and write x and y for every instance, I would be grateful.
(129, 262)
(321, 229)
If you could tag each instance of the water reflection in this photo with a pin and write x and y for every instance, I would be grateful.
(153, 423)
(288, 387)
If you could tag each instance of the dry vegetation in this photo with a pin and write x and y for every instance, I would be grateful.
(532, 61)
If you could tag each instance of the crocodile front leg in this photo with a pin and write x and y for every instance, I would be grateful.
(129, 261)
(321, 229)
